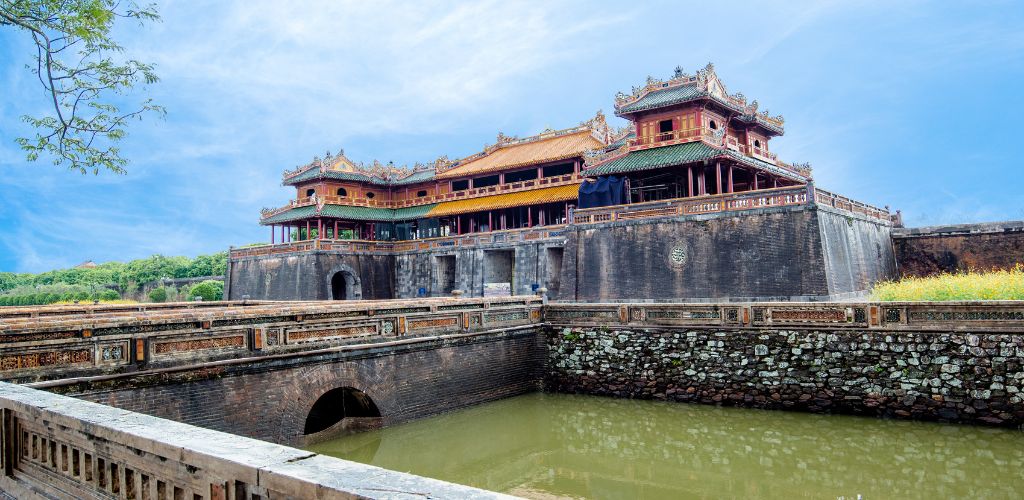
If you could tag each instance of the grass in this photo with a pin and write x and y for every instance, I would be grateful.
(973, 285)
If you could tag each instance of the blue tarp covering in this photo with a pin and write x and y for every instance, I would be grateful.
(606, 190)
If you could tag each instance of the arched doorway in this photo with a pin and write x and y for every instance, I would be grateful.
(340, 286)
(341, 411)
(341, 282)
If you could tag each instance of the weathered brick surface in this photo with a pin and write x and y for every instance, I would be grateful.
(307, 276)
(270, 399)
(932, 250)
(770, 253)
(962, 377)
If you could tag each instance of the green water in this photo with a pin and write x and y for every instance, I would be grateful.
(561, 446)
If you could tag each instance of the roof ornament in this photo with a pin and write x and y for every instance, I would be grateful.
(678, 72)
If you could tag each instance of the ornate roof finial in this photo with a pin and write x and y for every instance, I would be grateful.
(679, 72)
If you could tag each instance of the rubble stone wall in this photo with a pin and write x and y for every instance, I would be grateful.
(955, 377)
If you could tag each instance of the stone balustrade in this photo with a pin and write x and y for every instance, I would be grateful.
(988, 316)
(55, 342)
(60, 447)
(65, 341)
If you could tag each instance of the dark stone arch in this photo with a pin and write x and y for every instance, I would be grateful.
(308, 384)
(343, 283)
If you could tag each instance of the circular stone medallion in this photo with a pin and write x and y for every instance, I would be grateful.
(678, 255)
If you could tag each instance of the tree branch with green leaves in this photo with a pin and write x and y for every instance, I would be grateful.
(85, 77)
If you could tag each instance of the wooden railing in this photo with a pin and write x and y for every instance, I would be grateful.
(66, 343)
(511, 187)
(666, 138)
(833, 200)
(60, 447)
(694, 206)
(366, 246)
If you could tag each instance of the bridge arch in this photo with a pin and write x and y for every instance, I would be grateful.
(343, 283)
(339, 404)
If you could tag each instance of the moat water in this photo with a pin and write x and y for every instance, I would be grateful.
(561, 446)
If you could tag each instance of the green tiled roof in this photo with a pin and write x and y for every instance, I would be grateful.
(351, 213)
(659, 98)
(410, 213)
(649, 159)
(686, 93)
(290, 215)
(763, 165)
(314, 173)
(423, 175)
(681, 154)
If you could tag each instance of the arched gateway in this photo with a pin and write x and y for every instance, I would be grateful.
(344, 284)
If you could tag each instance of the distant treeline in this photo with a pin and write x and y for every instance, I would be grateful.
(105, 280)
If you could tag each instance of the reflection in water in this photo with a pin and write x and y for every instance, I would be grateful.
(563, 446)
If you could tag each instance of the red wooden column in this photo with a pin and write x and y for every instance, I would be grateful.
(702, 187)
(272, 234)
(689, 181)
(490, 220)
(319, 229)
(775, 182)
(529, 217)
(755, 180)
(718, 177)
(730, 179)
(458, 224)
(307, 229)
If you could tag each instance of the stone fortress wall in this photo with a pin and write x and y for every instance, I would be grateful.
(801, 251)
(929, 250)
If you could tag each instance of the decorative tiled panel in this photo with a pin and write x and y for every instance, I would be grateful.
(112, 353)
(331, 333)
(967, 316)
(704, 315)
(420, 325)
(400, 310)
(507, 317)
(460, 307)
(57, 358)
(198, 344)
(586, 315)
(36, 337)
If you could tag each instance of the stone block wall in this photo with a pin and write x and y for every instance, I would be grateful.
(857, 251)
(773, 252)
(932, 250)
(307, 276)
(531, 264)
(955, 377)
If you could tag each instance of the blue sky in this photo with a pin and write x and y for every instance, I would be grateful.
(909, 104)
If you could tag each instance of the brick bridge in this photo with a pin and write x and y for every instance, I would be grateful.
(280, 371)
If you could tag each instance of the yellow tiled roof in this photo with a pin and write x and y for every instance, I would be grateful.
(527, 153)
(508, 200)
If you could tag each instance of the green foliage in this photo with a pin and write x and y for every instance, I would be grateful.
(209, 290)
(126, 277)
(84, 79)
(993, 285)
(571, 336)
(108, 295)
(158, 294)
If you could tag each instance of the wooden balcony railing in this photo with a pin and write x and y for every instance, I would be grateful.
(826, 198)
(369, 247)
(796, 195)
(510, 187)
